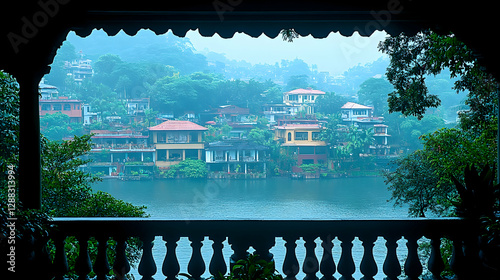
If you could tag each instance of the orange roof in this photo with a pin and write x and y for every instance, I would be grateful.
(352, 105)
(305, 91)
(178, 125)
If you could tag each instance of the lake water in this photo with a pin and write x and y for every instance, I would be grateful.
(274, 198)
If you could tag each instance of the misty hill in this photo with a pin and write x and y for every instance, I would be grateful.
(168, 49)
(143, 47)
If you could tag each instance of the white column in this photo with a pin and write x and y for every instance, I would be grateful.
(245, 168)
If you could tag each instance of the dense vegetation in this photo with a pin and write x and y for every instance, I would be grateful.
(66, 191)
(446, 152)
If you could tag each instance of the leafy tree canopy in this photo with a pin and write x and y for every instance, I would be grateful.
(413, 58)
(374, 92)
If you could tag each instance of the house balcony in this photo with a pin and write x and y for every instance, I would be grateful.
(241, 159)
(98, 147)
(262, 235)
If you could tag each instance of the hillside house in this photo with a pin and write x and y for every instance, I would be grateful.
(304, 141)
(79, 69)
(381, 144)
(69, 107)
(176, 141)
(302, 99)
(236, 156)
(116, 151)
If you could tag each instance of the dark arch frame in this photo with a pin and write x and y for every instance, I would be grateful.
(30, 34)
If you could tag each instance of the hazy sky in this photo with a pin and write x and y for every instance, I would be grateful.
(335, 53)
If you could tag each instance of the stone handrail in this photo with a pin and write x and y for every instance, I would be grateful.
(261, 235)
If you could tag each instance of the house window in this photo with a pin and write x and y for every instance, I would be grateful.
(193, 137)
(45, 107)
(301, 136)
(289, 136)
(161, 155)
(67, 107)
(315, 135)
(57, 107)
(192, 154)
(161, 137)
(175, 155)
(359, 112)
(177, 138)
(293, 98)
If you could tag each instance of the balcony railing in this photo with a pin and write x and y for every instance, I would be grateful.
(261, 236)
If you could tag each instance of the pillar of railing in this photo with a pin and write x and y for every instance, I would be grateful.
(261, 235)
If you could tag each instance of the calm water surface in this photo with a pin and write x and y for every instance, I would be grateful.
(275, 198)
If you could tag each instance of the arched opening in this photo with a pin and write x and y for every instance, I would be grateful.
(101, 15)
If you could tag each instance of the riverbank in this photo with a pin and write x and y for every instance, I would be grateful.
(259, 176)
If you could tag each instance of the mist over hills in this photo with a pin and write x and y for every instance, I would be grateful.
(168, 49)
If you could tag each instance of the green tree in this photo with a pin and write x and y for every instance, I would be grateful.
(9, 120)
(330, 103)
(333, 134)
(413, 58)
(412, 129)
(171, 94)
(66, 191)
(357, 141)
(374, 92)
(260, 136)
(451, 150)
(414, 183)
(310, 168)
(57, 126)
(189, 168)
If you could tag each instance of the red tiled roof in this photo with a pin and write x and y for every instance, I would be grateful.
(59, 101)
(177, 125)
(352, 105)
(119, 137)
(305, 91)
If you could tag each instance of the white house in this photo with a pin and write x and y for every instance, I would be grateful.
(303, 99)
(353, 112)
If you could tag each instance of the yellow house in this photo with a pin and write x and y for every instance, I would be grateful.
(304, 141)
(299, 134)
(175, 141)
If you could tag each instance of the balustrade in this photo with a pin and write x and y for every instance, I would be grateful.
(261, 236)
